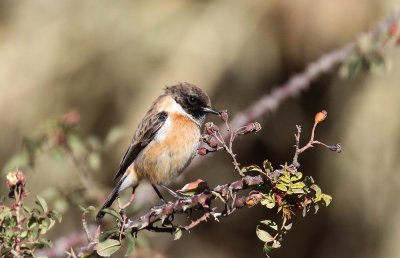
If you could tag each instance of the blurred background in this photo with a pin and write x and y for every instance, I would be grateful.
(109, 59)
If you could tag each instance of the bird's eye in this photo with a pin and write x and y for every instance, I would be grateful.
(192, 100)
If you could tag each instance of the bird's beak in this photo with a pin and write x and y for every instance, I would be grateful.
(210, 110)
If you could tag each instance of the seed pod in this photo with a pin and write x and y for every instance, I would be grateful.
(202, 151)
(320, 116)
(210, 128)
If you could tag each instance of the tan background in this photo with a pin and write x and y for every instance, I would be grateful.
(110, 59)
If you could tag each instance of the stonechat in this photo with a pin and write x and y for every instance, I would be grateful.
(165, 141)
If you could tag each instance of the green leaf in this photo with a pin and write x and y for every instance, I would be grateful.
(298, 185)
(113, 213)
(5, 213)
(263, 235)
(42, 243)
(251, 168)
(268, 201)
(297, 176)
(42, 203)
(276, 244)
(270, 224)
(109, 233)
(108, 247)
(316, 189)
(54, 215)
(267, 166)
(327, 199)
(281, 187)
(288, 226)
(285, 179)
(4, 251)
(316, 207)
(32, 222)
(177, 233)
(130, 242)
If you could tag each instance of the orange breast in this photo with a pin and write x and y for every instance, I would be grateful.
(171, 151)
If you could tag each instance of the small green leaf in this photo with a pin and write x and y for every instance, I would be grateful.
(4, 251)
(268, 201)
(177, 233)
(297, 176)
(113, 213)
(267, 166)
(270, 224)
(298, 185)
(263, 235)
(130, 242)
(327, 199)
(42, 243)
(32, 222)
(281, 187)
(42, 203)
(251, 168)
(316, 189)
(54, 215)
(276, 244)
(108, 247)
(316, 207)
(288, 226)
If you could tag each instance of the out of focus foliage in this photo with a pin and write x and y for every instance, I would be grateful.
(22, 227)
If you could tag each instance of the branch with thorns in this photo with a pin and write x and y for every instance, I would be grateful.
(284, 189)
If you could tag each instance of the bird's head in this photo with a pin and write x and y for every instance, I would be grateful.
(192, 99)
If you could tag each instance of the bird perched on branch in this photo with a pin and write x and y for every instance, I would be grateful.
(165, 141)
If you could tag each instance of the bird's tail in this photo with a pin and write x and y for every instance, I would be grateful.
(125, 181)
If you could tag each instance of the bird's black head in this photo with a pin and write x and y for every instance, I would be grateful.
(192, 99)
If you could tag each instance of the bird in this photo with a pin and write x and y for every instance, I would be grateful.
(165, 141)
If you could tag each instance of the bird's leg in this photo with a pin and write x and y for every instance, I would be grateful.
(175, 194)
(159, 194)
(122, 207)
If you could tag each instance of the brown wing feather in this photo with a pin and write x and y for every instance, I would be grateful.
(143, 136)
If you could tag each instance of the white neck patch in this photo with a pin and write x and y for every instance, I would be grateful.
(169, 105)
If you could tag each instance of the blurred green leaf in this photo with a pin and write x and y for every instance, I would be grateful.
(42, 243)
(94, 161)
(114, 135)
(54, 215)
(108, 247)
(130, 242)
(42, 203)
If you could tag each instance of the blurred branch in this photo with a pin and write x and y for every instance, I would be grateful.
(385, 34)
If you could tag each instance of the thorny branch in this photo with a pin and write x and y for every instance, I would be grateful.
(226, 192)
